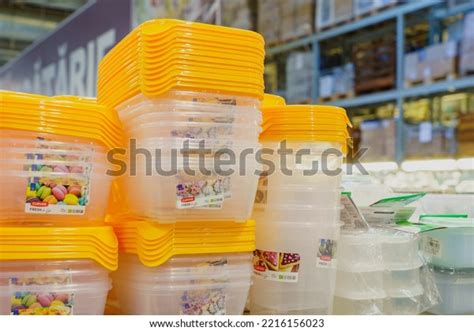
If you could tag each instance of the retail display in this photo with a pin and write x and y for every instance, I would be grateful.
(185, 189)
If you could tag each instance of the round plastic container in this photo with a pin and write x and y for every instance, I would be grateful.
(214, 284)
(450, 247)
(402, 282)
(456, 291)
(443, 204)
(406, 302)
(305, 283)
(187, 196)
(400, 250)
(53, 287)
(360, 251)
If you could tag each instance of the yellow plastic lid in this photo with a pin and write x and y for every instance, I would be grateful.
(53, 243)
(155, 243)
(305, 109)
(272, 100)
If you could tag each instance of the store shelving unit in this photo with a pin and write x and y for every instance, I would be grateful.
(399, 93)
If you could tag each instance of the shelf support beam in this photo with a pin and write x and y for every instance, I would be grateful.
(400, 44)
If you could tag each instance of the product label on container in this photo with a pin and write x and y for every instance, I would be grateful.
(25, 302)
(276, 266)
(58, 188)
(209, 193)
(350, 215)
(261, 195)
(203, 302)
(431, 246)
(326, 255)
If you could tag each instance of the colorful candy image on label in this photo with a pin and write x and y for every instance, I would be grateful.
(24, 302)
(203, 302)
(276, 266)
(326, 255)
(57, 195)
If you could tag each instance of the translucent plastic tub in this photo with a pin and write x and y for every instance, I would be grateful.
(214, 284)
(360, 285)
(457, 293)
(294, 266)
(406, 302)
(360, 251)
(55, 287)
(187, 196)
(299, 195)
(400, 250)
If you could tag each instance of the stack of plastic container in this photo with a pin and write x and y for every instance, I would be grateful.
(184, 233)
(379, 272)
(184, 268)
(175, 85)
(449, 250)
(55, 251)
(297, 213)
(53, 157)
(55, 270)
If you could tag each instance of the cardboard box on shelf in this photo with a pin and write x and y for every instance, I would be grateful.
(330, 12)
(378, 136)
(299, 76)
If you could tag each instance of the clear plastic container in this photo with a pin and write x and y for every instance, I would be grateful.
(400, 250)
(402, 282)
(294, 266)
(443, 204)
(187, 196)
(358, 285)
(360, 251)
(215, 284)
(69, 287)
(457, 293)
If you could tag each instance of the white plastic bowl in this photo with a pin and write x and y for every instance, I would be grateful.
(80, 285)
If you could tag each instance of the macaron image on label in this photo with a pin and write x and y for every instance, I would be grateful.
(276, 266)
(25, 302)
(59, 182)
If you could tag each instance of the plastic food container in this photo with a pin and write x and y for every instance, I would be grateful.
(188, 196)
(400, 250)
(457, 292)
(215, 284)
(53, 287)
(47, 177)
(294, 266)
(359, 284)
(360, 251)
(299, 213)
(451, 247)
(443, 204)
